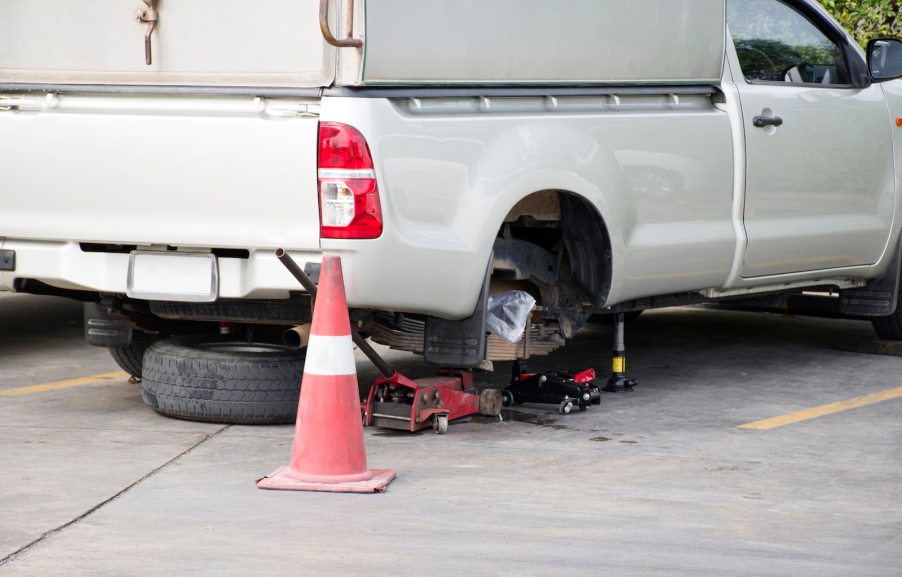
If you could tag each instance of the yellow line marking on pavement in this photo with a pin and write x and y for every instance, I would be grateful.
(806, 414)
(62, 384)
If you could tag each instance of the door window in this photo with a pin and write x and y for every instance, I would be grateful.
(777, 44)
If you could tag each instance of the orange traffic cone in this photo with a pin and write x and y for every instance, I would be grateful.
(328, 453)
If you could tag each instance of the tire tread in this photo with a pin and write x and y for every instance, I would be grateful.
(183, 381)
(131, 358)
(890, 327)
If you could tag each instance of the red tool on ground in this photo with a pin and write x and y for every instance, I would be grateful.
(397, 402)
(566, 390)
(412, 405)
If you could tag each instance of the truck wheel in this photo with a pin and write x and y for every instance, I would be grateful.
(131, 358)
(205, 379)
(890, 327)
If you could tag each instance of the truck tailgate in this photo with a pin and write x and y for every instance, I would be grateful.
(230, 172)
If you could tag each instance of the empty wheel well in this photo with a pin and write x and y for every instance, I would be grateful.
(555, 220)
(555, 245)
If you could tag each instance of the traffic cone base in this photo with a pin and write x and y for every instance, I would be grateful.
(284, 478)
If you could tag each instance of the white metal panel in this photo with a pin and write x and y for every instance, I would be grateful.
(893, 92)
(153, 170)
(538, 41)
(657, 169)
(819, 189)
(205, 42)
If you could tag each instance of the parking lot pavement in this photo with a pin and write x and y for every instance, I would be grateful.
(660, 481)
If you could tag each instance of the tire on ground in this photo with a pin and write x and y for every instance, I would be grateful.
(890, 328)
(131, 358)
(204, 379)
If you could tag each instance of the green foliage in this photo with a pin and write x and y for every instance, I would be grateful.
(867, 19)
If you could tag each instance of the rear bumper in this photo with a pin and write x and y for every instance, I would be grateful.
(66, 266)
(382, 274)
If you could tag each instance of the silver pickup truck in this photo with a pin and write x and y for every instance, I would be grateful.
(604, 156)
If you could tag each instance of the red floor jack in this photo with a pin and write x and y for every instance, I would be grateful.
(400, 403)
(397, 402)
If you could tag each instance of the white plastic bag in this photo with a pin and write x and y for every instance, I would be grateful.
(508, 313)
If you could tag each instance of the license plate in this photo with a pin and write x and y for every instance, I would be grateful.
(167, 276)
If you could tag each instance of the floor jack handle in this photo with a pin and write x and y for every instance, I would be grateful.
(387, 371)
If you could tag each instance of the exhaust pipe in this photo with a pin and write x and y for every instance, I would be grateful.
(297, 337)
(387, 371)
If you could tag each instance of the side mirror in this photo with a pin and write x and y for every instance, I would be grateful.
(885, 58)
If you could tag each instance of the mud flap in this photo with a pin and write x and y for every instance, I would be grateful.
(880, 296)
(459, 344)
(105, 330)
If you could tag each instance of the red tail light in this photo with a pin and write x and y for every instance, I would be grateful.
(348, 195)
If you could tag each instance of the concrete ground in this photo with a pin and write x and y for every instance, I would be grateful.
(657, 482)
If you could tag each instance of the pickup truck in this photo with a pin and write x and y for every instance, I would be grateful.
(603, 156)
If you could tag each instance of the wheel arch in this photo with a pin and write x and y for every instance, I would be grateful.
(584, 233)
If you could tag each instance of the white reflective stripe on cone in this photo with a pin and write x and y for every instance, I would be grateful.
(330, 356)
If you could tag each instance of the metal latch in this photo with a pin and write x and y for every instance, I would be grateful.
(150, 16)
(286, 109)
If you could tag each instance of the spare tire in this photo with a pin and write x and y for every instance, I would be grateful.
(233, 382)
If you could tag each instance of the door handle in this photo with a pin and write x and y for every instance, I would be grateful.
(327, 33)
(764, 121)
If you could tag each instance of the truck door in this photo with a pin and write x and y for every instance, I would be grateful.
(819, 181)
